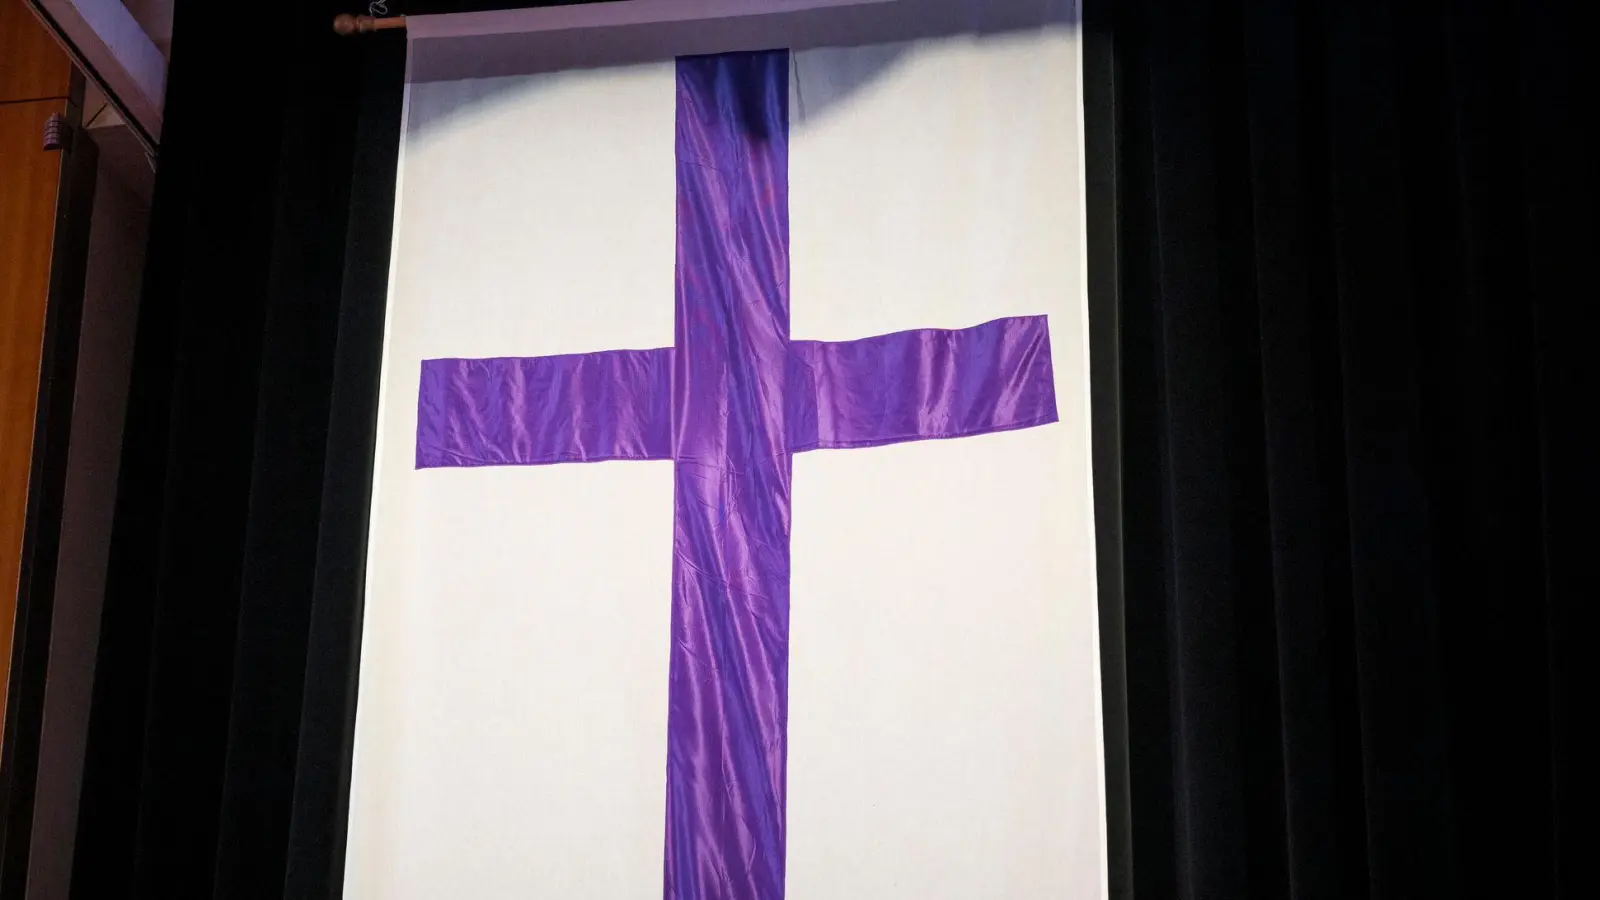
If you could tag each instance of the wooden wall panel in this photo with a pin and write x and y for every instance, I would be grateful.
(32, 65)
(35, 78)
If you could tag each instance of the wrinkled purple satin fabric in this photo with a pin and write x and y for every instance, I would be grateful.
(729, 693)
(730, 403)
(916, 385)
(547, 409)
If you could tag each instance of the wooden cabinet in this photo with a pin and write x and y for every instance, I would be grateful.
(35, 81)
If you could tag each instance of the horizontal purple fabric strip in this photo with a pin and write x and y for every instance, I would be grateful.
(920, 385)
(528, 411)
(907, 386)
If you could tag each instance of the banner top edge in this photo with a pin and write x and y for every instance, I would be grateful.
(605, 15)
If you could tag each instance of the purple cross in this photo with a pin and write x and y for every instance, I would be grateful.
(730, 403)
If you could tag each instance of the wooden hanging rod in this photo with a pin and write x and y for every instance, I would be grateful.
(347, 24)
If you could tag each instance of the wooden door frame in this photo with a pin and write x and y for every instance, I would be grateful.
(30, 643)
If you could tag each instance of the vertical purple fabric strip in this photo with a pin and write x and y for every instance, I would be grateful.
(730, 582)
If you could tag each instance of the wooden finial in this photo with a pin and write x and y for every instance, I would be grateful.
(346, 24)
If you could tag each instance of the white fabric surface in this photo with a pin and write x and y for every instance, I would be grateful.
(944, 730)
(944, 717)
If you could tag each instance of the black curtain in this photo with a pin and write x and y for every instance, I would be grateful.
(1347, 241)
(219, 745)
(224, 683)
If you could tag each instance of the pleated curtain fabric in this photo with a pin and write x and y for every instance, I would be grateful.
(1352, 239)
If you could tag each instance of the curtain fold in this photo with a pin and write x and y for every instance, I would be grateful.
(1350, 245)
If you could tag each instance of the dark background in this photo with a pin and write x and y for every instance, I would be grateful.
(1354, 246)
(1337, 303)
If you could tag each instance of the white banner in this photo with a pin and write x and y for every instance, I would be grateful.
(943, 714)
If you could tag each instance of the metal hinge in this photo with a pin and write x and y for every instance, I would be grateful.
(57, 133)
